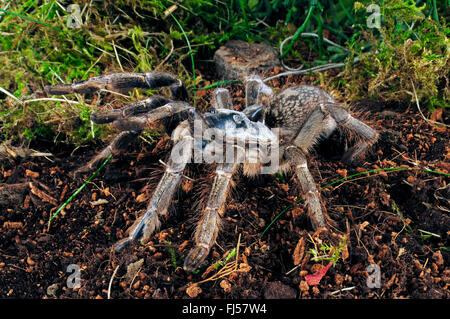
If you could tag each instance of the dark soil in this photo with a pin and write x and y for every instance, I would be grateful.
(383, 214)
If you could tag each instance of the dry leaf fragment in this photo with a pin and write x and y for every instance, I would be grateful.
(437, 115)
(132, 270)
(299, 251)
(208, 271)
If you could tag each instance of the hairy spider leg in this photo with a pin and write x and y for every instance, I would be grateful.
(122, 140)
(208, 227)
(222, 99)
(297, 159)
(132, 109)
(131, 127)
(368, 136)
(140, 122)
(320, 123)
(254, 86)
(145, 225)
(121, 82)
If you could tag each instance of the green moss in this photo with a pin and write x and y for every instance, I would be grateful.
(402, 57)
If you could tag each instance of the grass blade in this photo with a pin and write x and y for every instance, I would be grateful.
(30, 19)
(79, 189)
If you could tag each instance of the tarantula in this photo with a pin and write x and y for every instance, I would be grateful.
(303, 114)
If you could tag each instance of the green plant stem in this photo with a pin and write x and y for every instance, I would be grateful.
(319, 19)
(241, 3)
(298, 32)
(349, 16)
(218, 83)
(433, 11)
(220, 263)
(79, 189)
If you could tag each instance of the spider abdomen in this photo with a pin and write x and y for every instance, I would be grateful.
(291, 107)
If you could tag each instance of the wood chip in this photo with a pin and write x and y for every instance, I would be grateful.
(43, 196)
(10, 152)
(31, 174)
(141, 198)
(99, 202)
(437, 257)
(304, 287)
(30, 261)
(342, 172)
(64, 191)
(12, 225)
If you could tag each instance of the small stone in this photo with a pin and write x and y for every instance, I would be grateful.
(238, 59)
(278, 290)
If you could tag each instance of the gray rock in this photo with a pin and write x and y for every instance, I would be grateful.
(238, 59)
(278, 290)
(12, 195)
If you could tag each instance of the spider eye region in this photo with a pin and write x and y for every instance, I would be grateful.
(234, 125)
(238, 118)
(227, 120)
